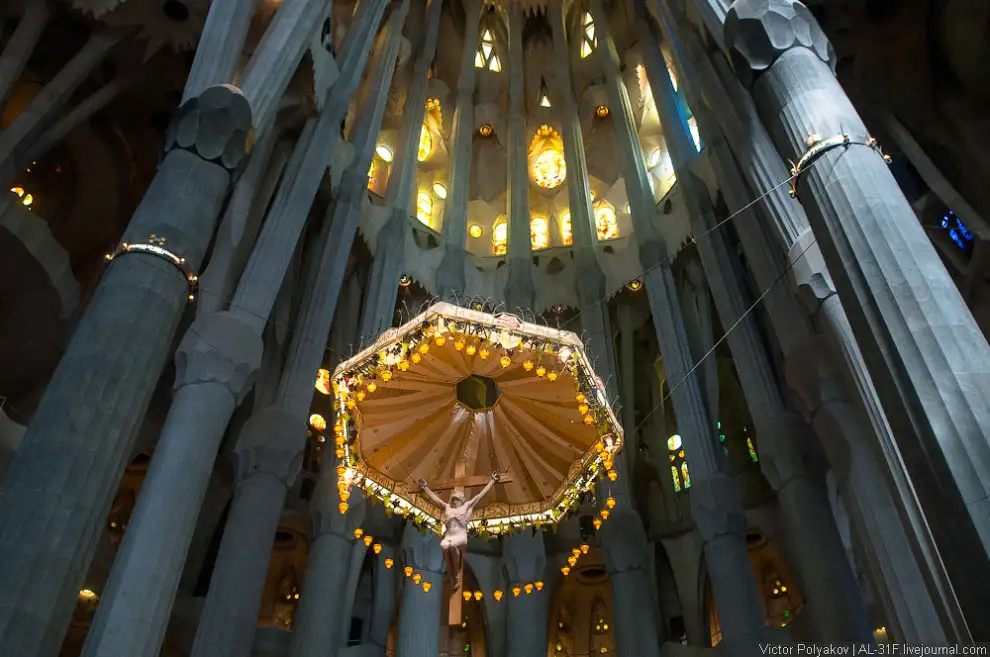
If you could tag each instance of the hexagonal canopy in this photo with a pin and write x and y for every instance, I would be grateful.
(455, 394)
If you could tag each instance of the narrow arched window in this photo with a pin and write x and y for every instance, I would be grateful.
(500, 237)
(424, 208)
(678, 464)
(486, 57)
(589, 41)
(539, 233)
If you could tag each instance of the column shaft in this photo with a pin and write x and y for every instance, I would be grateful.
(221, 44)
(316, 630)
(524, 558)
(226, 626)
(20, 46)
(383, 598)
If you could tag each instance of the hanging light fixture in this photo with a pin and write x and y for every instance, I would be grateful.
(602, 111)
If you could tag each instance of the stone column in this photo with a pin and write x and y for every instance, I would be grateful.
(20, 46)
(419, 611)
(383, 597)
(450, 275)
(57, 491)
(904, 541)
(317, 630)
(383, 279)
(834, 601)
(907, 314)
(716, 508)
(519, 291)
(220, 44)
(525, 560)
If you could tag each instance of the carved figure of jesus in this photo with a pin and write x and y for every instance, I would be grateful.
(456, 517)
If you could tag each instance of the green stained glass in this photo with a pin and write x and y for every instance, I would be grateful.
(677, 479)
(685, 475)
(752, 450)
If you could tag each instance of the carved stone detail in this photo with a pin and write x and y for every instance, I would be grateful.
(716, 509)
(422, 550)
(216, 126)
(271, 441)
(757, 32)
(787, 450)
(811, 277)
(326, 518)
(625, 543)
(219, 348)
(524, 557)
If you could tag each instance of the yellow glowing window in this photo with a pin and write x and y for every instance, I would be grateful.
(424, 208)
(539, 233)
(693, 127)
(486, 57)
(679, 472)
(425, 144)
(500, 237)
(589, 42)
(670, 71)
(606, 224)
(26, 199)
(566, 236)
(371, 175)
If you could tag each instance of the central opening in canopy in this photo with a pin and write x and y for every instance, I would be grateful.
(479, 393)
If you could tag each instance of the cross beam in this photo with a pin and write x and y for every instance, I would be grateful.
(469, 482)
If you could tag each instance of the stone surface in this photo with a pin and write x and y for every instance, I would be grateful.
(219, 348)
(216, 126)
(757, 32)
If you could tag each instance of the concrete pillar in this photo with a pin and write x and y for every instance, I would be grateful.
(419, 611)
(20, 46)
(383, 280)
(450, 275)
(220, 45)
(904, 308)
(716, 508)
(519, 291)
(525, 561)
(384, 597)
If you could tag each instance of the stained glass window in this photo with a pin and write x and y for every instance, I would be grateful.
(695, 135)
(752, 450)
(685, 475)
(26, 198)
(500, 237)
(424, 207)
(589, 42)
(486, 57)
(566, 236)
(605, 222)
(547, 158)
(957, 231)
(678, 464)
(425, 144)
(371, 176)
(539, 233)
(676, 476)
(721, 439)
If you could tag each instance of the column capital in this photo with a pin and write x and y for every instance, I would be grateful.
(215, 126)
(810, 274)
(524, 557)
(271, 441)
(219, 348)
(626, 548)
(716, 509)
(810, 371)
(787, 450)
(757, 32)
(421, 550)
(325, 515)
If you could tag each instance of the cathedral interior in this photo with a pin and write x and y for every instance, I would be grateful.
(268, 263)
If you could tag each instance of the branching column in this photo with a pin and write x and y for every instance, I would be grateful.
(843, 427)
(715, 505)
(57, 491)
(20, 46)
(218, 359)
(383, 279)
(787, 453)
(519, 291)
(524, 558)
(450, 275)
(419, 611)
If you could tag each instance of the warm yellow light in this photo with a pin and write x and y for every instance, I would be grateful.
(471, 350)
(466, 595)
(361, 395)
(342, 507)
(323, 381)
(579, 398)
(475, 231)
(550, 168)
(654, 158)
(539, 233)
(572, 560)
(371, 175)
(516, 590)
(386, 376)
(440, 191)
(425, 145)
(403, 365)
(440, 340)
(589, 419)
(317, 421)
(407, 570)
(478, 595)
(351, 404)
(486, 130)
(500, 237)
(368, 540)
(610, 502)
(384, 152)
(377, 547)
(424, 208)
(339, 453)
(602, 111)
(415, 358)
(541, 371)
(597, 523)
(566, 570)
(344, 495)
(417, 578)
(545, 101)
(358, 533)
(604, 513)
(606, 224)
(585, 49)
(498, 595)
(338, 440)
(585, 547)
(528, 365)
(427, 586)
(576, 552)
(483, 353)
(86, 593)
(551, 376)
(529, 588)
(539, 585)
(372, 386)
(582, 408)
(613, 475)
(505, 361)
(635, 286)
(389, 562)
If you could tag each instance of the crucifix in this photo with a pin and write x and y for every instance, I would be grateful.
(456, 517)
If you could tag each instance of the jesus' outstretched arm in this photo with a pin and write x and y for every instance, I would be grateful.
(430, 494)
(484, 491)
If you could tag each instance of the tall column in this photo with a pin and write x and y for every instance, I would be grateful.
(383, 279)
(20, 46)
(519, 290)
(450, 275)
(525, 560)
(57, 491)
(900, 544)
(222, 353)
(834, 601)
(915, 330)
(383, 598)
(419, 611)
(317, 630)
(715, 505)
(227, 22)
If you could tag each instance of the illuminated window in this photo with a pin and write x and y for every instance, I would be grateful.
(589, 42)
(440, 190)
(486, 57)
(670, 70)
(384, 152)
(549, 167)
(323, 381)
(695, 135)
(425, 144)
(475, 231)
(424, 208)
(539, 233)
(500, 237)
(754, 457)
(26, 199)
(721, 438)
(678, 464)
(566, 236)
(371, 175)
(605, 223)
